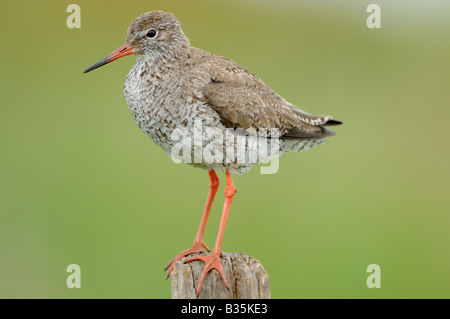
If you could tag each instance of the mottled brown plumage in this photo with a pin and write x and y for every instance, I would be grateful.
(244, 101)
(173, 86)
(237, 97)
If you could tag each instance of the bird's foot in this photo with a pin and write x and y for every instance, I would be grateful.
(196, 248)
(211, 262)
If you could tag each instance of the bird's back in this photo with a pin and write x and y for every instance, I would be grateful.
(242, 100)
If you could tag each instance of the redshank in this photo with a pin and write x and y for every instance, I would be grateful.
(172, 85)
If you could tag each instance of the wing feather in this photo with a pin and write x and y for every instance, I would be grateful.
(244, 101)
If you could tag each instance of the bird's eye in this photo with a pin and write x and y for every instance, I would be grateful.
(152, 33)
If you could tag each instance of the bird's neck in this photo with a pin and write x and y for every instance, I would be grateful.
(155, 65)
(165, 57)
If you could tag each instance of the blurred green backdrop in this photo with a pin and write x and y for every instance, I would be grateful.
(80, 183)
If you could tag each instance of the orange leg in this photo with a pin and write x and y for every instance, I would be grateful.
(198, 245)
(213, 261)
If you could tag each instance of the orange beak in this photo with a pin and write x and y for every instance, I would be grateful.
(120, 52)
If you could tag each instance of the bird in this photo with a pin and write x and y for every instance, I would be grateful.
(173, 86)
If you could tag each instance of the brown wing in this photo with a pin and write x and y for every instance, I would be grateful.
(244, 101)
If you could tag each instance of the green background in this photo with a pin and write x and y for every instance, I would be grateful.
(80, 183)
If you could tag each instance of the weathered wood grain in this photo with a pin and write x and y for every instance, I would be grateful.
(246, 277)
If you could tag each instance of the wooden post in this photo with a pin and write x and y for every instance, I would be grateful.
(246, 276)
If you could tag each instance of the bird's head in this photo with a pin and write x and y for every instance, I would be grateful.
(153, 35)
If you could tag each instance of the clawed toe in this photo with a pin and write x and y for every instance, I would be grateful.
(196, 249)
(193, 258)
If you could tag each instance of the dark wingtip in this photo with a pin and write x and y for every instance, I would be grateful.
(332, 122)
